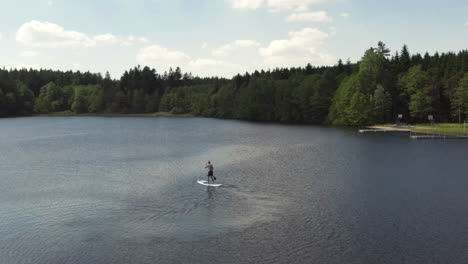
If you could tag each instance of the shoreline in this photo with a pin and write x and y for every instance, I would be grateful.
(156, 114)
(443, 130)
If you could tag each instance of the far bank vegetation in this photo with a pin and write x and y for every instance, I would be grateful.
(374, 90)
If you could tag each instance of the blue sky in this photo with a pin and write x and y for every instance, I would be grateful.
(219, 37)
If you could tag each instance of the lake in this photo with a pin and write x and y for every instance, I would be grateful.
(123, 190)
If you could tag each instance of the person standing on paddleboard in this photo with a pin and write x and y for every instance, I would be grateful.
(210, 171)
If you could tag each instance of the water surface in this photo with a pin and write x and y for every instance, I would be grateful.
(123, 190)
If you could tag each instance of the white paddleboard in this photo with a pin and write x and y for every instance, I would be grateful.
(204, 182)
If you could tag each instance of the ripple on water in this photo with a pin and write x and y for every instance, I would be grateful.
(123, 190)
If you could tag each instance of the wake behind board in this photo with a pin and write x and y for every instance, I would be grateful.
(203, 182)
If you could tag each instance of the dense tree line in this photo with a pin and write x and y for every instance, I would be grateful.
(374, 90)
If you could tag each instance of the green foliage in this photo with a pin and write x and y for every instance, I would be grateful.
(95, 99)
(152, 102)
(460, 99)
(15, 98)
(138, 101)
(53, 98)
(382, 49)
(375, 89)
(80, 103)
(340, 110)
(225, 99)
(12, 99)
(371, 71)
(415, 86)
(286, 109)
(405, 59)
(87, 99)
(322, 96)
(420, 104)
(302, 95)
(358, 112)
(167, 102)
(415, 79)
(382, 104)
(256, 100)
(353, 103)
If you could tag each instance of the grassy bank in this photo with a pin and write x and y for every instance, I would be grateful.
(443, 128)
(157, 114)
(449, 129)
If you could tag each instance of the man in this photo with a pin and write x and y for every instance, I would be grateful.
(210, 172)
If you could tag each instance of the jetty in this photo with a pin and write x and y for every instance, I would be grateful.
(425, 134)
(422, 135)
(386, 129)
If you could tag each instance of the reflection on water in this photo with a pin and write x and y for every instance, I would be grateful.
(211, 191)
(123, 190)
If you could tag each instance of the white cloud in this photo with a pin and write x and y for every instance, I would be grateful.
(162, 58)
(303, 46)
(50, 3)
(46, 34)
(298, 40)
(158, 56)
(133, 39)
(123, 41)
(236, 45)
(466, 24)
(246, 43)
(50, 35)
(204, 45)
(344, 14)
(276, 5)
(29, 53)
(143, 40)
(206, 62)
(249, 4)
(1, 35)
(319, 16)
(106, 38)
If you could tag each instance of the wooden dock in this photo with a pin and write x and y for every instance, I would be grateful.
(413, 135)
(419, 135)
(384, 129)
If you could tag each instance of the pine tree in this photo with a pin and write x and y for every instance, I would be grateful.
(405, 59)
(340, 66)
(382, 49)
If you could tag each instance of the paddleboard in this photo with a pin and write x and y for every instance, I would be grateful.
(204, 182)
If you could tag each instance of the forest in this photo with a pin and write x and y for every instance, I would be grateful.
(374, 90)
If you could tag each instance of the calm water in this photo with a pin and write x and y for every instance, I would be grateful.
(122, 190)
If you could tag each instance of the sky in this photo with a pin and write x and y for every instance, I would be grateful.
(219, 37)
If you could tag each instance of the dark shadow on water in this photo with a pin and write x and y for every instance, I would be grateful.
(229, 186)
(211, 191)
